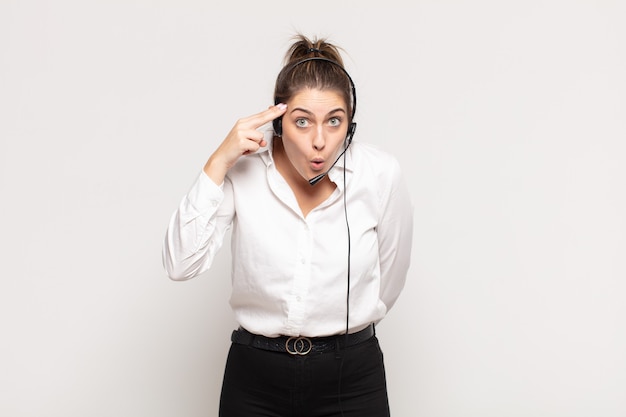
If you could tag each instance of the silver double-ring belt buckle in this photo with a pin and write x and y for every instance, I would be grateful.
(300, 345)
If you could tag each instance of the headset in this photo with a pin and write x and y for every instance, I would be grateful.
(278, 122)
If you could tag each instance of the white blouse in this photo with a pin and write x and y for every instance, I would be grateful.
(289, 272)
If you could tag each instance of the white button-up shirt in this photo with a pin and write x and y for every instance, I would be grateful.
(290, 272)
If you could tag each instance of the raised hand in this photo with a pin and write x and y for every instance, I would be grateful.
(243, 139)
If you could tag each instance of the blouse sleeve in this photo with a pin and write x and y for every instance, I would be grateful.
(197, 228)
(395, 236)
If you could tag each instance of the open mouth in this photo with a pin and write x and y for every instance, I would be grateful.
(317, 164)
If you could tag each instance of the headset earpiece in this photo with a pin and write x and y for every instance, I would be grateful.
(278, 126)
(350, 133)
(278, 122)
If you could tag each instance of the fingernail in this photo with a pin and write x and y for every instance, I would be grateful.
(281, 106)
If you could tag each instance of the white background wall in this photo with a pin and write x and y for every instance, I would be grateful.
(509, 121)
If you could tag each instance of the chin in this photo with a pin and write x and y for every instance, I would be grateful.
(307, 176)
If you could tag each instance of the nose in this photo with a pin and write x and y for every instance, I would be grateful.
(319, 141)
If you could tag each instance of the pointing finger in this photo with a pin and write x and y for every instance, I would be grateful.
(265, 116)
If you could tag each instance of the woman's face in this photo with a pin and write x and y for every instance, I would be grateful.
(314, 128)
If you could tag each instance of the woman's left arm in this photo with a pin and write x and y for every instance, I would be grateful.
(395, 236)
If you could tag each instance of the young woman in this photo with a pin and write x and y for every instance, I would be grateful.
(321, 243)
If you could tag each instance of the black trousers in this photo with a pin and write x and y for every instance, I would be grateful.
(345, 383)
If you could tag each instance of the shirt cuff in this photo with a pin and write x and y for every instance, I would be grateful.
(205, 195)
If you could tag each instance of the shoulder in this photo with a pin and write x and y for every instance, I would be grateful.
(377, 173)
(375, 161)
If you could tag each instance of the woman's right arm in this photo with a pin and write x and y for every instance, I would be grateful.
(197, 228)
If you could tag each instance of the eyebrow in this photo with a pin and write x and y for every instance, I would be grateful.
(338, 109)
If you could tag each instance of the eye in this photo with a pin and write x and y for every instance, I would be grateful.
(334, 121)
(302, 122)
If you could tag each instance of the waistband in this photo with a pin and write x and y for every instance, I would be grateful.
(301, 345)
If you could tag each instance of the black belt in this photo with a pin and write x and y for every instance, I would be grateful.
(301, 345)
